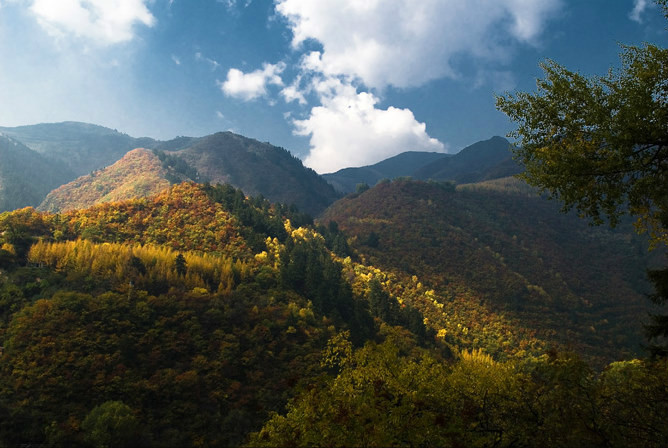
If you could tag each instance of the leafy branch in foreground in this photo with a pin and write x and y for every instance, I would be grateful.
(600, 144)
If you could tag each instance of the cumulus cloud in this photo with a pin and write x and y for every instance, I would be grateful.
(104, 22)
(405, 43)
(349, 130)
(639, 6)
(249, 86)
(293, 92)
(370, 45)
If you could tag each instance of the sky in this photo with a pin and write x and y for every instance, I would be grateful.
(338, 83)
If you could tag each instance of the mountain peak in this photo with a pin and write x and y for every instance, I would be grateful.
(484, 160)
(139, 173)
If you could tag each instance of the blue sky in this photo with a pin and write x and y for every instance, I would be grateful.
(337, 82)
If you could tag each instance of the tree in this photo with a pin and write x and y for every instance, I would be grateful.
(111, 424)
(180, 265)
(600, 144)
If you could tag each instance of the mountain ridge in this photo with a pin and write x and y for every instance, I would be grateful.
(81, 149)
(483, 160)
(25, 175)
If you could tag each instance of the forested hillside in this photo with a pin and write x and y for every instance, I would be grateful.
(404, 164)
(82, 147)
(25, 175)
(201, 317)
(258, 169)
(514, 253)
(139, 173)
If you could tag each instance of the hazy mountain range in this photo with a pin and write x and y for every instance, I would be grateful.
(47, 156)
(54, 154)
(489, 159)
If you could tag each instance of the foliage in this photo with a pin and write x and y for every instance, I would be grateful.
(138, 174)
(111, 424)
(187, 362)
(178, 169)
(259, 218)
(201, 317)
(393, 394)
(599, 144)
(182, 217)
(148, 267)
(308, 268)
(657, 330)
(505, 266)
(18, 230)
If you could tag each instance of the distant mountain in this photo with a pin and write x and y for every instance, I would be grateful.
(25, 175)
(82, 147)
(73, 149)
(488, 159)
(514, 253)
(477, 162)
(139, 173)
(404, 164)
(258, 169)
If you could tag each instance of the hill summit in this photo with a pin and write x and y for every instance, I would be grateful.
(484, 160)
(138, 174)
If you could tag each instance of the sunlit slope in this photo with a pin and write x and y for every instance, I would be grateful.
(138, 174)
(580, 286)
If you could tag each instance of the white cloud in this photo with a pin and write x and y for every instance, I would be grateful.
(373, 44)
(249, 86)
(214, 64)
(104, 22)
(294, 93)
(176, 60)
(639, 6)
(348, 130)
(407, 43)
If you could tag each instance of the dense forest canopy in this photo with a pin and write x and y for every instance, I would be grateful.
(202, 317)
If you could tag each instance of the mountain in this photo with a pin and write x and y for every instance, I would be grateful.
(404, 164)
(82, 147)
(513, 252)
(74, 149)
(25, 175)
(258, 169)
(480, 161)
(139, 173)
(162, 300)
(484, 160)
